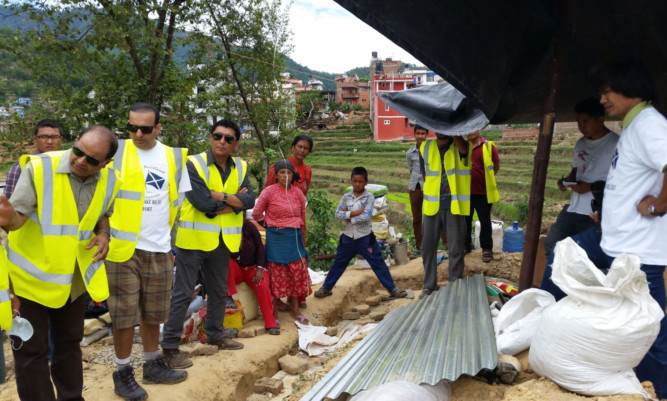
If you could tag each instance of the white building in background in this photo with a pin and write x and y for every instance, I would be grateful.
(424, 77)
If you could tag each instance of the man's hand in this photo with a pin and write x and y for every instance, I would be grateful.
(562, 187)
(16, 304)
(8, 215)
(595, 216)
(101, 241)
(642, 207)
(581, 187)
(356, 213)
(259, 276)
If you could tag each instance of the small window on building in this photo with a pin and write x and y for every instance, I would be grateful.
(387, 122)
(386, 107)
(429, 78)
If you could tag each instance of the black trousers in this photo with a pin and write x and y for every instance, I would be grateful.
(34, 379)
(483, 208)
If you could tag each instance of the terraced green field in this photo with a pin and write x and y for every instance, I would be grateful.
(336, 152)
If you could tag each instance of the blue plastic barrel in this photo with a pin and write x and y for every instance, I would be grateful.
(513, 239)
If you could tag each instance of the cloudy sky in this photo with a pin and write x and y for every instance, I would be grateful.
(326, 37)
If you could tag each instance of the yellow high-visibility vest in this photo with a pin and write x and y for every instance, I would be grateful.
(128, 209)
(458, 175)
(42, 254)
(195, 230)
(5, 301)
(492, 194)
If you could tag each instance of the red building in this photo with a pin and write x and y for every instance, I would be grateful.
(388, 124)
(352, 91)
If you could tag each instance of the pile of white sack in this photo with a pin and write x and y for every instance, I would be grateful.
(590, 341)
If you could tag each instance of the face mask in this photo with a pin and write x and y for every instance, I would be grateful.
(21, 328)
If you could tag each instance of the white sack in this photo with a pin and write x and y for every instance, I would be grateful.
(518, 320)
(405, 391)
(589, 341)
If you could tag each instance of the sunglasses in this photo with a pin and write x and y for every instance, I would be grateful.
(145, 129)
(89, 159)
(228, 138)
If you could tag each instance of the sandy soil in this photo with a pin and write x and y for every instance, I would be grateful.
(229, 375)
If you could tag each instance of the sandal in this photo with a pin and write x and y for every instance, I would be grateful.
(487, 256)
(398, 293)
(274, 331)
(300, 318)
(322, 292)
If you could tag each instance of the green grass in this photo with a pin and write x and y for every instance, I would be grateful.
(338, 151)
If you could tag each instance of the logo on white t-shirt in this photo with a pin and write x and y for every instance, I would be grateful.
(154, 180)
(614, 159)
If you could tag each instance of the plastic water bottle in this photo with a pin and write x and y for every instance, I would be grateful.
(513, 239)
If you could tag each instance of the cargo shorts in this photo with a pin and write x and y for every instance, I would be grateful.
(140, 286)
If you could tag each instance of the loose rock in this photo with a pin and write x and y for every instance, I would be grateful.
(351, 315)
(198, 349)
(247, 333)
(257, 397)
(378, 315)
(332, 331)
(384, 294)
(268, 385)
(374, 300)
(363, 309)
(293, 365)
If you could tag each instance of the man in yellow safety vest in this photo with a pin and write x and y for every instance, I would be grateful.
(209, 229)
(446, 170)
(140, 263)
(58, 220)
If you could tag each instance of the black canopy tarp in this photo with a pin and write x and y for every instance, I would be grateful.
(524, 60)
(440, 108)
(496, 52)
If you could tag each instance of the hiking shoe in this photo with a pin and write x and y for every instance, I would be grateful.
(226, 343)
(174, 359)
(157, 372)
(126, 387)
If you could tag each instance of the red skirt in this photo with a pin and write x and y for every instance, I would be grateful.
(291, 280)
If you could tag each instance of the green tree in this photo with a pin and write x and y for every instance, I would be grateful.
(93, 58)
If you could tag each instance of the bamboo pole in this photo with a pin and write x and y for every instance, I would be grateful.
(536, 200)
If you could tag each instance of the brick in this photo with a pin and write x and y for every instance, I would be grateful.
(293, 365)
(363, 309)
(351, 315)
(377, 315)
(247, 333)
(374, 300)
(332, 331)
(268, 385)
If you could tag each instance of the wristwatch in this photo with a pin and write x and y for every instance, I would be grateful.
(651, 211)
(224, 197)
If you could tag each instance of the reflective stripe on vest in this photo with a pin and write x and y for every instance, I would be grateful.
(42, 265)
(196, 231)
(432, 177)
(127, 218)
(4, 296)
(490, 185)
(459, 175)
(28, 267)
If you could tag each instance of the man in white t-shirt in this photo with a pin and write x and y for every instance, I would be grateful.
(635, 195)
(591, 161)
(140, 264)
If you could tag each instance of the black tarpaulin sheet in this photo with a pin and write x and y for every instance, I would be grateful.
(440, 108)
(497, 52)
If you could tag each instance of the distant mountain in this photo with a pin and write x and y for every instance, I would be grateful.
(8, 19)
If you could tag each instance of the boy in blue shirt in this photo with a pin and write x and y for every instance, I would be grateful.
(356, 208)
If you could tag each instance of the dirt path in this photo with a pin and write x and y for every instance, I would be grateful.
(230, 375)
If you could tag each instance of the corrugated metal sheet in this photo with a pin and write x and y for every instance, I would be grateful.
(445, 335)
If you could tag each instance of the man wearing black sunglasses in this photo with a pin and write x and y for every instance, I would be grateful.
(58, 220)
(140, 264)
(209, 229)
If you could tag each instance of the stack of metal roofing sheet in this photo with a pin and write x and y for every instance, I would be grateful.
(444, 335)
